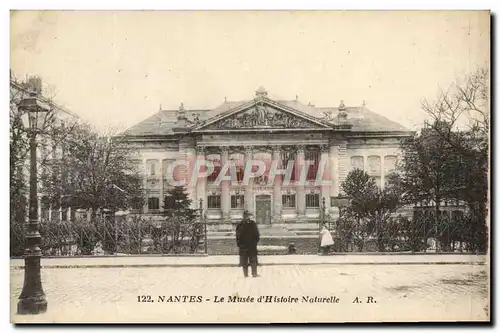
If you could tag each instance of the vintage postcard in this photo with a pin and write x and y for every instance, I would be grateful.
(249, 166)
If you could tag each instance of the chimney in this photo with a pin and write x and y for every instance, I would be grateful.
(35, 84)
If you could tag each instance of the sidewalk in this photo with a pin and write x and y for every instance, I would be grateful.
(269, 260)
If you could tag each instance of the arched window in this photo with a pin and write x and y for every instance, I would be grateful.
(374, 169)
(357, 162)
(389, 164)
(152, 167)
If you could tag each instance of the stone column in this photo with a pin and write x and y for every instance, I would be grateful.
(68, 212)
(145, 184)
(325, 189)
(191, 188)
(277, 187)
(300, 189)
(226, 197)
(201, 183)
(249, 199)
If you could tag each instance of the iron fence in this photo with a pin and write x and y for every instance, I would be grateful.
(133, 235)
(402, 234)
(141, 235)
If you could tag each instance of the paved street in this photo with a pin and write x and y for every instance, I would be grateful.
(402, 292)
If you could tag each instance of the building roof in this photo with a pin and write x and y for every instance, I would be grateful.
(361, 118)
(57, 107)
(365, 120)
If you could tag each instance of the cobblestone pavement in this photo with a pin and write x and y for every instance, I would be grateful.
(401, 292)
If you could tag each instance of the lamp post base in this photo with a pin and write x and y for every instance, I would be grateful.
(32, 299)
(32, 305)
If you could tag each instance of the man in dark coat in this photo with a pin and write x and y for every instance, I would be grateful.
(247, 238)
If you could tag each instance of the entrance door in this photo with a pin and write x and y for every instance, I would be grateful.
(263, 209)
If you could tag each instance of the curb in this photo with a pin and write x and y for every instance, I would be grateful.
(266, 264)
(204, 255)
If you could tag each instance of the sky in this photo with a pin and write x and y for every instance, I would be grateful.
(115, 68)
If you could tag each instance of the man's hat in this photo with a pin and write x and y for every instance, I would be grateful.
(246, 214)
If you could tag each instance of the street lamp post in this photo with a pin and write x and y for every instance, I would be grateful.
(322, 220)
(32, 299)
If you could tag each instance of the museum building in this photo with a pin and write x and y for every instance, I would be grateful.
(331, 141)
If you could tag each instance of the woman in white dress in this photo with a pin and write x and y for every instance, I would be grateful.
(326, 239)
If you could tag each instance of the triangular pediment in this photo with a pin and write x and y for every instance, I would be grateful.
(262, 114)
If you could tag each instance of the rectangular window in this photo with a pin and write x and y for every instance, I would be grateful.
(239, 174)
(153, 203)
(312, 200)
(313, 157)
(288, 200)
(64, 214)
(213, 176)
(152, 170)
(237, 201)
(136, 204)
(164, 167)
(287, 157)
(213, 201)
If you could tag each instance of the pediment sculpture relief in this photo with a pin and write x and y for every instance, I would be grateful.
(262, 115)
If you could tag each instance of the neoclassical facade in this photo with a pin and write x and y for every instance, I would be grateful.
(315, 143)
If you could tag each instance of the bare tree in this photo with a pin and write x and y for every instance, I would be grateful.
(460, 118)
(465, 106)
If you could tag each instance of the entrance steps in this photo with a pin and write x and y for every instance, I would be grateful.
(274, 230)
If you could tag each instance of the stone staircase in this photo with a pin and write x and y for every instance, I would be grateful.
(277, 237)
(275, 230)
